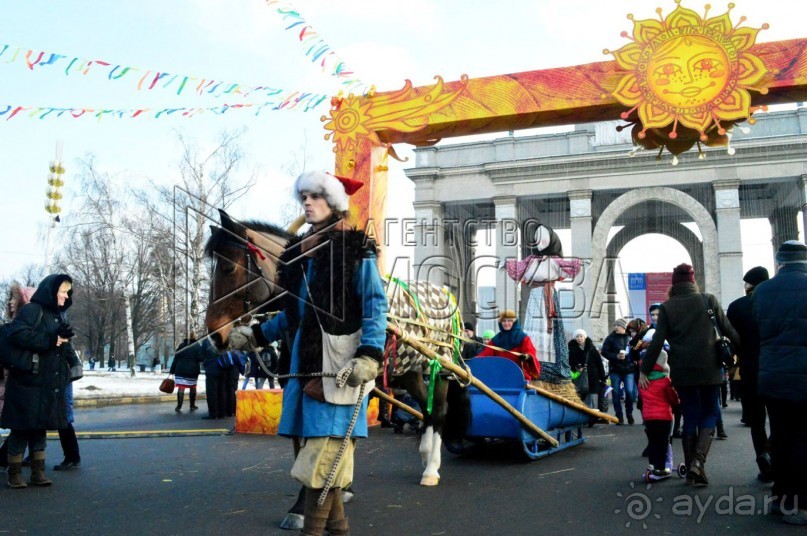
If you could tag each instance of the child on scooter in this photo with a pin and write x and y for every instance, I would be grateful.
(658, 401)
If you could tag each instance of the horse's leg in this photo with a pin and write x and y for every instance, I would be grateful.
(414, 384)
(431, 475)
(294, 517)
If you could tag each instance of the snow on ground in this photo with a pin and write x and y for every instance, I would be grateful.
(104, 384)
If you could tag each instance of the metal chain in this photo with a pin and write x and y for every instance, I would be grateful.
(341, 379)
(342, 376)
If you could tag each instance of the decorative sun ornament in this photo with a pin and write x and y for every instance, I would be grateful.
(688, 78)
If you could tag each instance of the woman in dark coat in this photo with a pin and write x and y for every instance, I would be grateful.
(35, 401)
(583, 354)
(185, 368)
(694, 369)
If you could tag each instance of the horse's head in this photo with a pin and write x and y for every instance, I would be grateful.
(245, 256)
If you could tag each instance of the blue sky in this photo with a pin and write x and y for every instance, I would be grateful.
(244, 41)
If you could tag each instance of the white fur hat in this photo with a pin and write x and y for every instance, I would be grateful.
(580, 332)
(336, 190)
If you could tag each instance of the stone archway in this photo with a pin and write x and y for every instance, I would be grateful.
(595, 285)
(678, 232)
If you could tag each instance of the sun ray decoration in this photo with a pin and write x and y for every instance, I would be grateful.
(688, 79)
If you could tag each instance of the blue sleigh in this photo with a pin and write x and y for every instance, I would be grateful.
(491, 422)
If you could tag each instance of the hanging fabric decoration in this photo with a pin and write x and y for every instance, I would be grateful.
(149, 80)
(8, 112)
(316, 49)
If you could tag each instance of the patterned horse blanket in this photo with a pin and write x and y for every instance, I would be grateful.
(428, 313)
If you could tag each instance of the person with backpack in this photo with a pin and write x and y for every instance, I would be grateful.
(34, 399)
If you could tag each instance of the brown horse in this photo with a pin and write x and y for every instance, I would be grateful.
(246, 256)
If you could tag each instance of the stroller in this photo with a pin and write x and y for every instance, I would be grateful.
(400, 418)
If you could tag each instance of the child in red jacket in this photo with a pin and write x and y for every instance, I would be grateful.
(658, 401)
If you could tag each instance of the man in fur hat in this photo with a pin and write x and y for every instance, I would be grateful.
(780, 310)
(335, 312)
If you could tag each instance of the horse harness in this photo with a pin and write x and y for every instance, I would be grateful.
(252, 267)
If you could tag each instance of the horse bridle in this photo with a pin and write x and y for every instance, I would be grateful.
(250, 250)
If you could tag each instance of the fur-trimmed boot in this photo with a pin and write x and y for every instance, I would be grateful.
(316, 516)
(688, 442)
(337, 522)
(180, 399)
(698, 469)
(15, 479)
(38, 469)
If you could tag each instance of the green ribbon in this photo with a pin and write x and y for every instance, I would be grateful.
(434, 368)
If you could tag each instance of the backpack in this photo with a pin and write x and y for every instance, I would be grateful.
(14, 357)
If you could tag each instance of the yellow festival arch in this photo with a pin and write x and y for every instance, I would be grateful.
(681, 81)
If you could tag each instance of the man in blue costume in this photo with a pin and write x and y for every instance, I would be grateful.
(335, 312)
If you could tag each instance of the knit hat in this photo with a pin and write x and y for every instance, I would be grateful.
(507, 313)
(791, 252)
(621, 322)
(488, 334)
(336, 190)
(469, 326)
(756, 275)
(580, 332)
(683, 273)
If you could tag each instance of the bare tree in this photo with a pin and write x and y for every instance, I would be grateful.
(109, 251)
(297, 165)
(207, 180)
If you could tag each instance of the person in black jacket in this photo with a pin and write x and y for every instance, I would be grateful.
(740, 314)
(215, 381)
(35, 401)
(185, 368)
(780, 309)
(583, 355)
(470, 349)
(696, 373)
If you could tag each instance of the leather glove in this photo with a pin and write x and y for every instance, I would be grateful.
(242, 338)
(259, 338)
(65, 331)
(363, 370)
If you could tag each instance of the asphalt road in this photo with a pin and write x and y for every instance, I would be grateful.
(222, 484)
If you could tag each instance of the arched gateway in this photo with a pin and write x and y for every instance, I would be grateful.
(569, 180)
(586, 182)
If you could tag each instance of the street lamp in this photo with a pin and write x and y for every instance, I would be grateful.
(52, 206)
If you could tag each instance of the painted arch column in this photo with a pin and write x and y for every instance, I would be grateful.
(729, 240)
(580, 215)
(431, 262)
(507, 241)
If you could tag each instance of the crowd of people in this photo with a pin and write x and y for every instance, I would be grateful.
(668, 368)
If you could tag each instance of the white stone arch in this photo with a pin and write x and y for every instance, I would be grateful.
(595, 286)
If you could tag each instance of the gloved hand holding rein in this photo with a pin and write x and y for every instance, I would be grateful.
(364, 369)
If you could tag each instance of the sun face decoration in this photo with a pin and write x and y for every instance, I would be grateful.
(688, 78)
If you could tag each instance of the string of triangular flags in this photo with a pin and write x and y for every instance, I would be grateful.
(314, 47)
